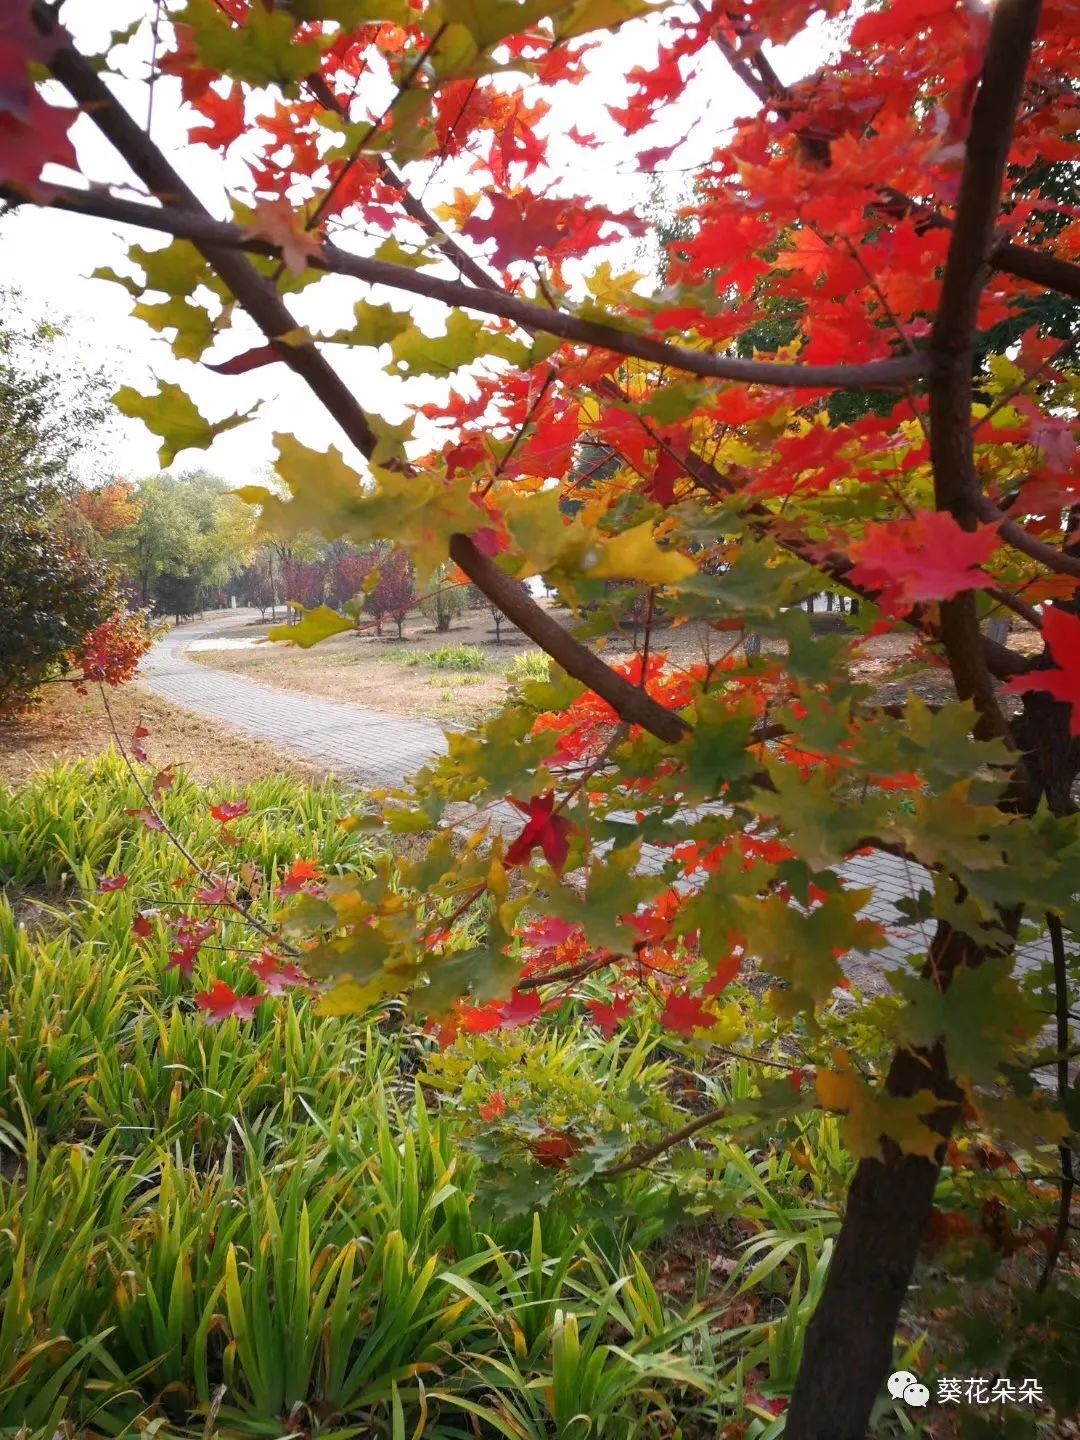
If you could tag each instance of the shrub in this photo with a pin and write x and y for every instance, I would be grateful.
(455, 657)
(52, 597)
(529, 665)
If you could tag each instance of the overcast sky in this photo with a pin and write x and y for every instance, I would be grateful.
(49, 256)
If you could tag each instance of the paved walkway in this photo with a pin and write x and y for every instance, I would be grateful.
(356, 743)
(376, 748)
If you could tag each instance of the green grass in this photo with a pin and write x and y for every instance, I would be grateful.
(530, 665)
(447, 657)
(299, 1224)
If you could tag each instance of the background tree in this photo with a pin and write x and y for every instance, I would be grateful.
(393, 596)
(190, 539)
(443, 599)
(53, 594)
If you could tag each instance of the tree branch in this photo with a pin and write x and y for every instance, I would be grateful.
(190, 222)
(258, 296)
(652, 1152)
(956, 481)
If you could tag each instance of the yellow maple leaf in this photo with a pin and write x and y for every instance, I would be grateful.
(635, 555)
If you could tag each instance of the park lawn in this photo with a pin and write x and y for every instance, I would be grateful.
(69, 726)
(456, 678)
(461, 677)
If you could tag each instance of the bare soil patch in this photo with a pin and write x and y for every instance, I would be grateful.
(67, 726)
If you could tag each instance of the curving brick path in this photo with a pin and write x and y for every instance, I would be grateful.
(368, 746)
(376, 748)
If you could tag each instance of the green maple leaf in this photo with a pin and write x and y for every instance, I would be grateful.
(262, 51)
(465, 340)
(172, 415)
(983, 1019)
(538, 529)
(814, 816)
(315, 626)
(194, 326)
(489, 21)
(716, 751)
(501, 759)
(586, 15)
(372, 325)
(175, 269)
(947, 830)
(612, 893)
(802, 949)
(324, 491)
(760, 582)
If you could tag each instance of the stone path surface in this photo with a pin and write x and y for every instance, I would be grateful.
(376, 748)
(356, 743)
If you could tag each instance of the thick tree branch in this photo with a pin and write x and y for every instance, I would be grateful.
(890, 1199)
(190, 222)
(1020, 539)
(956, 482)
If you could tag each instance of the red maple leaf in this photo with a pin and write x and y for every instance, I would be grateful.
(521, 1009)
(660, 486)
(495, 1107)
(1061, 631)
(686, 1013)
(183, 960)
(725, 973)
(278, 222)
(224, 117)
(545, 829)
(277, 976)
(111, 883)
(27, 146)
(554, 1150)
(215, 894)
(301, 873)
(520, 226)
(550, 931)
(221, 1001)
(229, 810)
(137, 748)
(609, 1017)
(142, 924)
(479, 1019)
(162, 781)
(928, 558)
(149, 818)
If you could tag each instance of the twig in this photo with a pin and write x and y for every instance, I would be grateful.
(178, 844)
(650, 1152)
(195, 225)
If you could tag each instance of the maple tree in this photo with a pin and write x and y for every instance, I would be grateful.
(810, 403)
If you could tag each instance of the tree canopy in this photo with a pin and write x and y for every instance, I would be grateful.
(812, 401)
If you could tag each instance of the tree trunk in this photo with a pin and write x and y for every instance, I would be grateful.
(849, 1343)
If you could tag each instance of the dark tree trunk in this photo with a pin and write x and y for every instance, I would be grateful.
(888, 1207)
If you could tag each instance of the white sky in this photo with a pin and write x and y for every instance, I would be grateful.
(48, 255)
